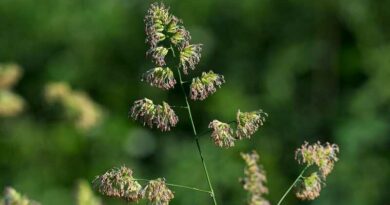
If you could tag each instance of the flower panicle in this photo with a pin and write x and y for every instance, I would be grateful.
(222, 134)
(255, 179)
(157, 192)
(119, 183)
(206, 85)
(249, 122)
(161, 116)
(160, 77)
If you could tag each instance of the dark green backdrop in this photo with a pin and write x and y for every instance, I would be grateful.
(320, 69)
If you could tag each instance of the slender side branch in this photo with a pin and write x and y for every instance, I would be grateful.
(178, 185)
(293, 184)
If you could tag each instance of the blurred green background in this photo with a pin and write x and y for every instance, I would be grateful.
(320, 69)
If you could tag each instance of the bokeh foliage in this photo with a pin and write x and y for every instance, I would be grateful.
(321, 69)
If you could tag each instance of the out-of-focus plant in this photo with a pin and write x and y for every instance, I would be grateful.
(85, 195)
(85, 113)
(11, 104)
(12, 197)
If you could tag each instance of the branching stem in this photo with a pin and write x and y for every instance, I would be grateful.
(293, 184)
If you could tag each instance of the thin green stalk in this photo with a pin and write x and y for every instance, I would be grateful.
(292, 185)
(197, 140)
(195, 133)
(178, 185)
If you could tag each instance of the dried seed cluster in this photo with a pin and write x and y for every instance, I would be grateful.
(160, 25)
(12, 197)
(160, 77)
(78, 105)
(324, 157)
(190, 56)
(254, 180)
(206, 85)
(222, 134)
(310, 187)
(119, 183)
(247, 124)
(11, 104)
(161, 116)
(158, 193)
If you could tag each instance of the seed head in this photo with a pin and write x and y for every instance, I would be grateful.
(160, 77)
(206, 85)
(324, 156)
(161, 25)
(119, 183)
(158, 193)
(249, 122)
(190, 56)
(156, 20)
(145, 111)
(166, 117)
(222, 134)
(150, 114)
(255, 179)
(310, 187)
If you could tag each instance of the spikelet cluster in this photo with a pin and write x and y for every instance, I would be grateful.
(119, 183)
(206, 85)
(190, 55)
(78, 105)
(324, 157)
(160, 77)
(254, 180)
(310, 187)
(84, 194)
(160, 25)
(222, 134)
(12, 197)
(161, 116)
(11, 104)
(249, 122)
(158, 193)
